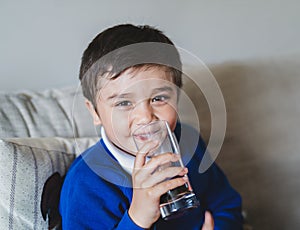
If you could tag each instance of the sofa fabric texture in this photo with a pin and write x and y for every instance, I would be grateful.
(26, 164)
(43, 114)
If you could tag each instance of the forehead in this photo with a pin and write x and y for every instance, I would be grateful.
(137, 79)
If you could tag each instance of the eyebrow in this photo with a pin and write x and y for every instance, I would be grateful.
(164, 88)
(126, 95)
(115, 95)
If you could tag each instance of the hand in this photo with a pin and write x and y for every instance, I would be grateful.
(208, 222)
(149, 184)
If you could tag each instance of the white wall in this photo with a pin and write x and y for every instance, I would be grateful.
(42, 41)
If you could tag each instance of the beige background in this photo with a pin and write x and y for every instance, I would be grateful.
(42, 41)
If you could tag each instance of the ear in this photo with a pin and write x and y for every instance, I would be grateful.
(91, 109)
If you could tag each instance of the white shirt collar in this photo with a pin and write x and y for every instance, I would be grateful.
(125, 160)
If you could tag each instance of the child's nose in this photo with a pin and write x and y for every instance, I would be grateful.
(143, 113)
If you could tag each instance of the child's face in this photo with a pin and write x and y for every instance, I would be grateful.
(133, 99)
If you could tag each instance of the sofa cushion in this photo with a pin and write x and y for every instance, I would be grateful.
(55, 112)
(25, 165)
(260, 153)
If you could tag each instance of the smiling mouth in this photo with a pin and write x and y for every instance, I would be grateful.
(145, 136)
(141, 137)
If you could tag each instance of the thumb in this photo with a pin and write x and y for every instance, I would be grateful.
(208, 221)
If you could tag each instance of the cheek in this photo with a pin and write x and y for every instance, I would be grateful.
(120, 118)
(169, 115)
(121, 127)
(124, 140)
(172, 121)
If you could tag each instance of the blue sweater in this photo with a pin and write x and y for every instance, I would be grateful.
(97, 193)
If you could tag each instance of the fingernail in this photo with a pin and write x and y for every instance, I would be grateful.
(185, 178)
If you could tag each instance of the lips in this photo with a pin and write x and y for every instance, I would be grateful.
(145, 136)
(141, 137)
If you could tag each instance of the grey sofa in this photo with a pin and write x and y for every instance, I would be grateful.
(42, 132)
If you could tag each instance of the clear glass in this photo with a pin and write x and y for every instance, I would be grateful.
(178, 201)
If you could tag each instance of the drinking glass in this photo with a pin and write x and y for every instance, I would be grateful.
(177, 201)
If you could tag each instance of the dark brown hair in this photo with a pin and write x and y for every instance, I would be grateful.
(125, 46)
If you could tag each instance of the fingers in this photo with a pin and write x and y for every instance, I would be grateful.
(156, 173)
(160, 176)
(208, 221)
(162, 188)
(157, 170)
(141, 155)
(162, 159)
(158, 163)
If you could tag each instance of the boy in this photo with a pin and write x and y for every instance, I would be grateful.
(131, 76)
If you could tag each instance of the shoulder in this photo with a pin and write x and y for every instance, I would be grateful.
(80, 176)
(93, 179)
(95, 167)
(88, 198)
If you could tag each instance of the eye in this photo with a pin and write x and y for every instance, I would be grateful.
(161, 98)
(123, 104)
